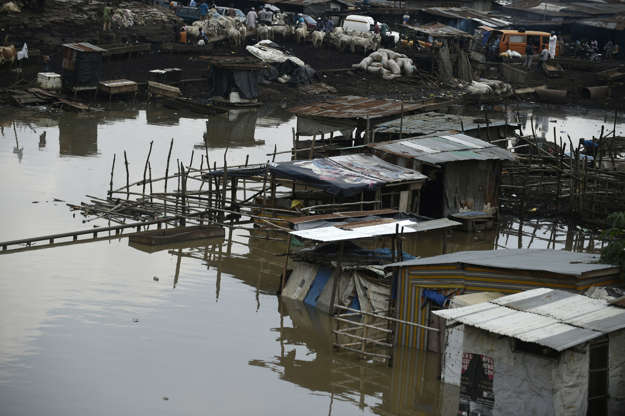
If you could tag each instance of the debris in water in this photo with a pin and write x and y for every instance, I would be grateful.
(135, 320)
(165, 398)
(155, 278)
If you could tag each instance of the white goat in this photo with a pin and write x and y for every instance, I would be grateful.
(263, 32)
(301, 33)
(283, 31)
(317, 38)
(234, 37)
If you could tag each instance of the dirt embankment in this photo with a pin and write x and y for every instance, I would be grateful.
(62, 21)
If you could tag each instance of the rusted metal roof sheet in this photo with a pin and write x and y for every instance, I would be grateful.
(432, 122)
(235, 62)
(553, 318)
(84, 47)
(467, 14)
(441, 149)
(439, 30)
(354, 107)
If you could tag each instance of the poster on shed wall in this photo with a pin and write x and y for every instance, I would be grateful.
(476, 385)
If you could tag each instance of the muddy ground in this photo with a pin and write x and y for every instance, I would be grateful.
(80, 20)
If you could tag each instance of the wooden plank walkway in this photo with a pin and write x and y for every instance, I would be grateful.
(6, 246)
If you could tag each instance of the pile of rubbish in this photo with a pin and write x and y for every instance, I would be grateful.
(123, 18)
(10, 7)
(489, 87)
(283, 67)
(389, 64)
(126, 18)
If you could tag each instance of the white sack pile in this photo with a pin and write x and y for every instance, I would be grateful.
(389, 64)
(489, 87)
(268, 52)
(511, 54)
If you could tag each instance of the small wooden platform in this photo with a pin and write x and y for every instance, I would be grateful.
(160, 89)
(118, 86)
(177, 235)
(474, 220)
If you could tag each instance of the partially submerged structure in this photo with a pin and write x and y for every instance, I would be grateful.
(82, 66)
(333, 183)
(343, 272)
(446, 159)
(234, 79)
(431, 122)
(506, 271)
(352, 112)
(542, 351)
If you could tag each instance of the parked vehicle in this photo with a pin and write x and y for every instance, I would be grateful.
(361, 24)
(231, 12)
(188, 14)
(498, 41)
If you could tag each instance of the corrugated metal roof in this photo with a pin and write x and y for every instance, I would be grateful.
(354, 107)
(549, 317)
(433, 122)
(552, 261)
(328, 234)
(468, 14)
(84, 47)
(440, 149)
(439, 30)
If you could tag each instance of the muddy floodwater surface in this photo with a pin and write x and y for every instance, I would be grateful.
(103, 328)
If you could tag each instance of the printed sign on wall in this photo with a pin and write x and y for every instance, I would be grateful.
(476, 385)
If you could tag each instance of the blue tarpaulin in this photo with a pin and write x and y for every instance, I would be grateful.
(322, 277)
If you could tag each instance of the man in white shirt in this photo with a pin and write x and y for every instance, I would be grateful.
(251, 19)
(553, 41)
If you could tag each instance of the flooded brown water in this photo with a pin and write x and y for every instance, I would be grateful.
(103, 328)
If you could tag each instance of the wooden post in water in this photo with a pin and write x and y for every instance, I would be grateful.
(337, 278)
(171, 145)
(150, 172)
(286, 262)
(145, 168)
(111, 182)
(183, 199)
(127, 177)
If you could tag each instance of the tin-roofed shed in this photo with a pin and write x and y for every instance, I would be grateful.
(431, 122)
(542, 351)
(82, 65)
(463, 171)
(506, 271)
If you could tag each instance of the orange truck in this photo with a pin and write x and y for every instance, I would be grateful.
(516, 40)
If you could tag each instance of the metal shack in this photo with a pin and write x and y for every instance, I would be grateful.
(431, 122)
(506, 271)
(463, 171)
(82, 66)
(539, 352)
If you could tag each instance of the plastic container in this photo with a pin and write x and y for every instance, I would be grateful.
(49, 80)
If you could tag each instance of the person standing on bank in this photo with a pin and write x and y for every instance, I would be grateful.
(106, 19)
(250, 21)
(553, 42)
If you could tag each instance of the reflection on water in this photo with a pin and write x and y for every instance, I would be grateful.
(232, 128)
(102, 328)
(78, 134)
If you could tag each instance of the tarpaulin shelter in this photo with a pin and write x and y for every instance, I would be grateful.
(227, 74)
(82, 65)
(341, 176)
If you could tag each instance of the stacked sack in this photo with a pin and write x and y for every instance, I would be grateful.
(389, 64)
(489, 87)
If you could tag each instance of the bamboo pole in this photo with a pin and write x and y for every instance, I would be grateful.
(127, 177)
(145, 168)
(111, 182)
